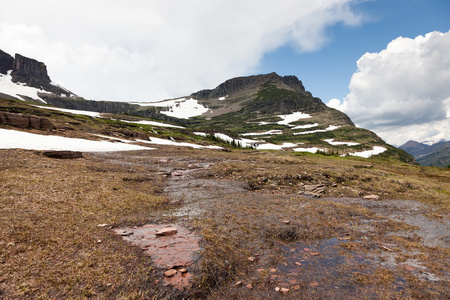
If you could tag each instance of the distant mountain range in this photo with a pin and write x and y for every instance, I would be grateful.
(429, 154)
(263, 111)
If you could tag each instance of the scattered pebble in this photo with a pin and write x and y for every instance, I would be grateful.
(170, 273)
(313, 284)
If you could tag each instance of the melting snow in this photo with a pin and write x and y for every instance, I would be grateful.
(292, 118)
(269, 146)
(153, 123)
(179, 108)
(368, 153)
(329, 128)
(306, 126)
(332, 142)
(159, 141)
(93, 114)
(18, 89)
(311, 150)
(12, 139)
(223, 98)
(263, 133)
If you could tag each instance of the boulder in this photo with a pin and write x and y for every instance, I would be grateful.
(18, 120)
(25, 122)
(63, 154)
(47, 125)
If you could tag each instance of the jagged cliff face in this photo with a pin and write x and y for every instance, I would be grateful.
(30, 76)
(6, 62)
(29, 71)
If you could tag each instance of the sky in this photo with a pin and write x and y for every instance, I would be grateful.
(385, 63)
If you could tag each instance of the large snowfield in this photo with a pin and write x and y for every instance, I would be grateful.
(179, 108)
(13, 139)
(16, 89)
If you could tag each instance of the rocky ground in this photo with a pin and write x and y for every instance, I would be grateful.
(249, 225)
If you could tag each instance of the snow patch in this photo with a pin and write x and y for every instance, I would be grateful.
(159, 141)
(263, 133)
(7, 86)
(153, 123)
(305, 126)
(93, 114)
(181, 108)
(269, 146)
(332, 142)
(311, 150)
(13, 139)
(368, 153)
(223, 98)
(329, 128)
(287, 119)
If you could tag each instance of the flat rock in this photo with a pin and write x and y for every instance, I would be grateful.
(166, 231)
(315, 188)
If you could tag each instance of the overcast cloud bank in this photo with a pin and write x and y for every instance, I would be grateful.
(403, 92)
(149, 50)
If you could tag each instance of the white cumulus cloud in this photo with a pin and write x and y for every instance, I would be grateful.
(403, 92)
(151, 49)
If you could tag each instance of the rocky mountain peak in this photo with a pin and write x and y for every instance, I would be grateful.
(250, 84)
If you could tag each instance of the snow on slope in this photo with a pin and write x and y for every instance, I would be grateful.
(17, 89)
(332, 142)
(287, 119)
(159, 141)
(153, 123)
(93, 114)
(179, 108)
(329, 128)
(13, 139)
(368, 153)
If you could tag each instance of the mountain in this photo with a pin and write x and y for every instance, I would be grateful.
(264, 111)
(27, 79)
(429, 154)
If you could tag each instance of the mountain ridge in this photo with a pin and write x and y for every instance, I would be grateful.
(436, 154)
(267, 109)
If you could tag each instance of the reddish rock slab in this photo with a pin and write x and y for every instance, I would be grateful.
(177, 250)
(167, 252)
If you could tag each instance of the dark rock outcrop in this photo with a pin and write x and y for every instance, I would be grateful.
(136, 135)
(25, 122)
(30, 71)
(6, 62)
(63, 154)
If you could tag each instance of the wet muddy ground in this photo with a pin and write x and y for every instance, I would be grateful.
(386, 252)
